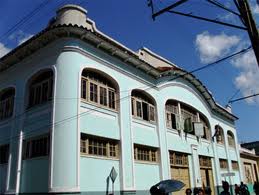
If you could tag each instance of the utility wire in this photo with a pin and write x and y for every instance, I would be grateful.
(116, 101)
(243, 98)
(24, 20)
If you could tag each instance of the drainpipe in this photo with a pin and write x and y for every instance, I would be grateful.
(19, 164)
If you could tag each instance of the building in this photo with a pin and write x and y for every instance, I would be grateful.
(76, 104)
(249, 161)
(252, 145)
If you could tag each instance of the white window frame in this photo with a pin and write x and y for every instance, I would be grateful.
(99, 85)
(33, 89)
(84, 145)
(134, 113)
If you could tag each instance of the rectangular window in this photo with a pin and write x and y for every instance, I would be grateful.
(111, 99)
(36, 147)
(93, 93)
(103, 96)
(99, 146)
(145, 153)
(178, 159)
(205, 162)
(4, 154)
(6, 107)
(40, 92)
(143, 109)
(139, 109)
(99, 93)
(151, 113)
(235, 165)
(83, 89)
(223, 163)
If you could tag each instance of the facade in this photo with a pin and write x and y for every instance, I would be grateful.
(75, 105)
(252, 145)
(249, 162)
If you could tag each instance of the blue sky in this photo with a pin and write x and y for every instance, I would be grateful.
(186, 42)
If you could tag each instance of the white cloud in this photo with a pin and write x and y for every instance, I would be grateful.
(255, 9)
(248, 79)
(19, 37)
(3, 50)
(25, 38)
(212, 47)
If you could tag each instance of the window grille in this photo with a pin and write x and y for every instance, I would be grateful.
(36, 147)
(95, 146)
(145, 153)
(98, 92)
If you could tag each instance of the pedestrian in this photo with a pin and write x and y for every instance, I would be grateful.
(256, 188)
(195, 191)
(188, 191)
(237, 189)
(243, 189)
(225, 186)
(200, 191)
(208, 190)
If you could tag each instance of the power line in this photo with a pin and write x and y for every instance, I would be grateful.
(24, 19)
(243, 98)
(116, 101)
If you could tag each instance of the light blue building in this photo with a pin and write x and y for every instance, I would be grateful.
(74, 103)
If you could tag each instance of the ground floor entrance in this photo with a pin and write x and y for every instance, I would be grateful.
(206, 173)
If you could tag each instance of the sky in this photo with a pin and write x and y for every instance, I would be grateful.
(187, 42)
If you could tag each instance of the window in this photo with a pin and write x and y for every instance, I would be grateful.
(40, 89)
(206, 128)
(234, 165)
(189, 116)
(178, 159)
(219, 134)
(142, 107)
(205, 162)
(36, 147)
(145, 153)
(231, 140)
(4, 154)
(172, 117)
(6, 103)
(96, 146)
(98, 90)
(223, 163)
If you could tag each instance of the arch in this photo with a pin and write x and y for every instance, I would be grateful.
(99, 88)
(219, 133)
(231, 138)
(7, 102)
(40, 88)
(180, 115)
(143, 105)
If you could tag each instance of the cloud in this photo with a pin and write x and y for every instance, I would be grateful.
(3, 50)
(248, 79)
(25, 38)
(19, 37)
(212, 47)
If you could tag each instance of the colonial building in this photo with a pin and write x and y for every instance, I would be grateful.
(251, 146)
(249, 162)
(77, 107)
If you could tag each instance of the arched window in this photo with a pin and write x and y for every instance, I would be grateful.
(143, 106)
(40, 88)
(98, 88)
(231, 139)
(219, 134)
(6, 103)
